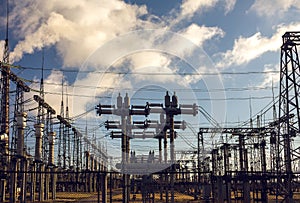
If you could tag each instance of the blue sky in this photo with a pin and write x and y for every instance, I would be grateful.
(103, 47)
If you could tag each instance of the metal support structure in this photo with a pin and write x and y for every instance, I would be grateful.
(264, 185)
(22, 163)
(39, 133)
(237, 169)
(4, 133)
(65, 127)
(288, 105)
(17, 149)
(231, 177)
(123, 110)
(61, 138)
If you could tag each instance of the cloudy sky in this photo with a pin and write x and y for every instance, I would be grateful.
(222, 55)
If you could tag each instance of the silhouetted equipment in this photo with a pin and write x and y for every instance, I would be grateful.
(126, 126)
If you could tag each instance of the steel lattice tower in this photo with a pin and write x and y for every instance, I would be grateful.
(288, 113)
(5, 72)
(4, 112)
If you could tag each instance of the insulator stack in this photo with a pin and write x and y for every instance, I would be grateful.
(39, 132)
(21, 124)
(51, 137)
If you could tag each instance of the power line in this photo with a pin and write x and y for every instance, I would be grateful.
(153, 89)
(154, 99)
(145, 73)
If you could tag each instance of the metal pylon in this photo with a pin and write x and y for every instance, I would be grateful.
(289, 115)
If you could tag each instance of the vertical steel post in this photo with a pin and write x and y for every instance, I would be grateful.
(21, 124)
(4, 125)
(200, 136)
(172, 154)
(52, 174)
(104, 186)
(125, 107)
(33, 181)
(13, 180)
(264, 185)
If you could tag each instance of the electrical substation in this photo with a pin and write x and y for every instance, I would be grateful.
(258, 162)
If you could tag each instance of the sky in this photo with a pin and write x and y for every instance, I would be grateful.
(222, 55)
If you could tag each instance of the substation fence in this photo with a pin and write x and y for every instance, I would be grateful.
(55, 185)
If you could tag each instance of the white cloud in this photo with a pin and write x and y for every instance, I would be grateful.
(148, 62)
(76, 28)
(190, 7)
(274, 7)
(270, 78)
(53, 85)
(79, 94)
(82, 94)
(246, 49)
(87, 88)
(199, 34)
(229, 6)
(148, 59)
(143, 68)
(46, 35)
